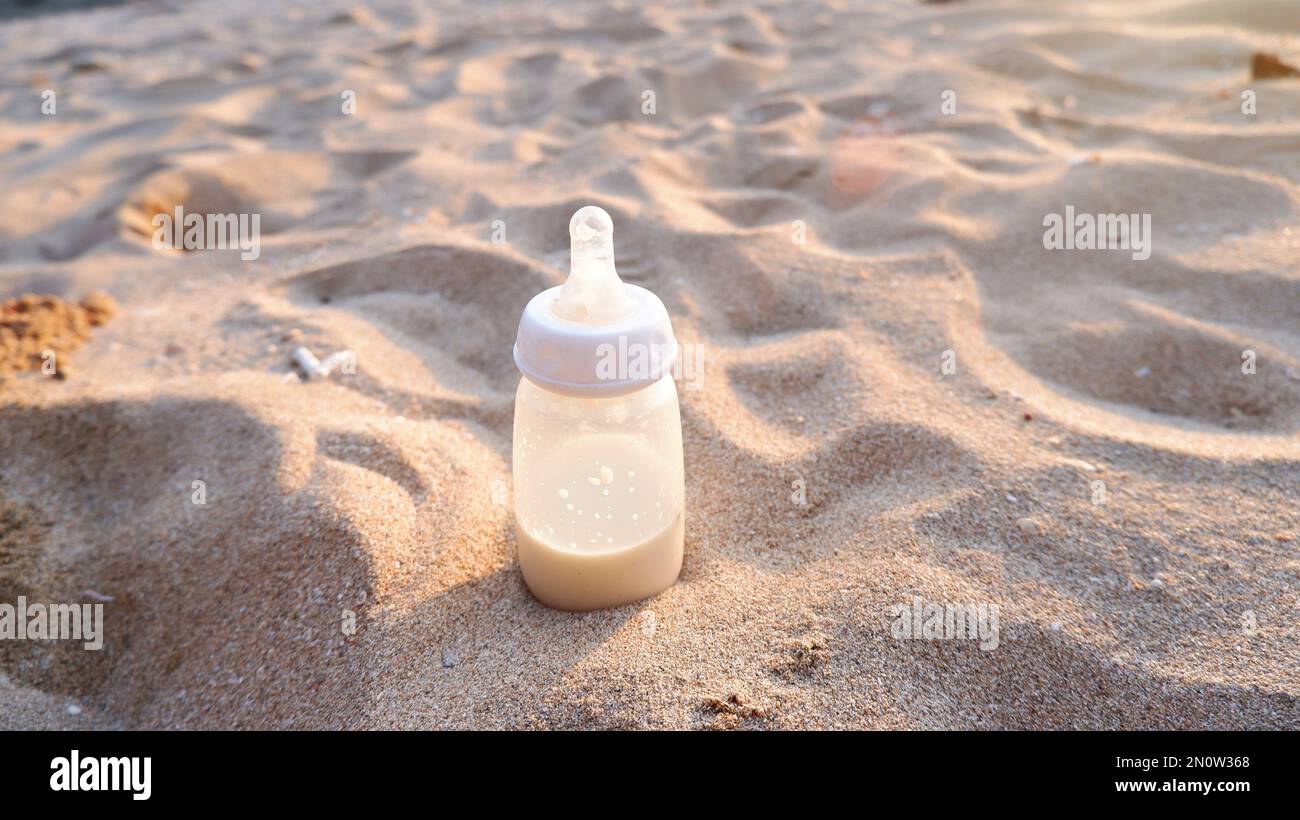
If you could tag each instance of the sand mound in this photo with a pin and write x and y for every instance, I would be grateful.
(31, 327)
(281, 187)
(202, 624)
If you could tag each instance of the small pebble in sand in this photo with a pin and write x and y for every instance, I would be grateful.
(74, 709)
(449, 658)
(1267, 66)
(1028, 526)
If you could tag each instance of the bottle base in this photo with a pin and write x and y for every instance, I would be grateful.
(578, 581)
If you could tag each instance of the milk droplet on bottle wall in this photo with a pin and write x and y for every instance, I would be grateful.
(598, 401)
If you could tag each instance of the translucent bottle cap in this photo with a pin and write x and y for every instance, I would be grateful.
(595, 334)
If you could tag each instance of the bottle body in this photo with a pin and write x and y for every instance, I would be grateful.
(599, 494)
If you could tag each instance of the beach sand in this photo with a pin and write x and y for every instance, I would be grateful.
(904, 395)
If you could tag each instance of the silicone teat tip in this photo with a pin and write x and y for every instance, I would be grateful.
(593, 292)
(589, 224)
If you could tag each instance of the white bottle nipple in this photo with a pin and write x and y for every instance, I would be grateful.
(593, 294)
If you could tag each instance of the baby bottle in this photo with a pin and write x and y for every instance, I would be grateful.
(599, 488)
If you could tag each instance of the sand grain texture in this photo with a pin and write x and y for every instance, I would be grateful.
(384, 495)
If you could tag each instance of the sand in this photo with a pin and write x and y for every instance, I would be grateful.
(905, 395)
(35, 330)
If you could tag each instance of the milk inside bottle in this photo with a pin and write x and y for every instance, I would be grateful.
(598, 481)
